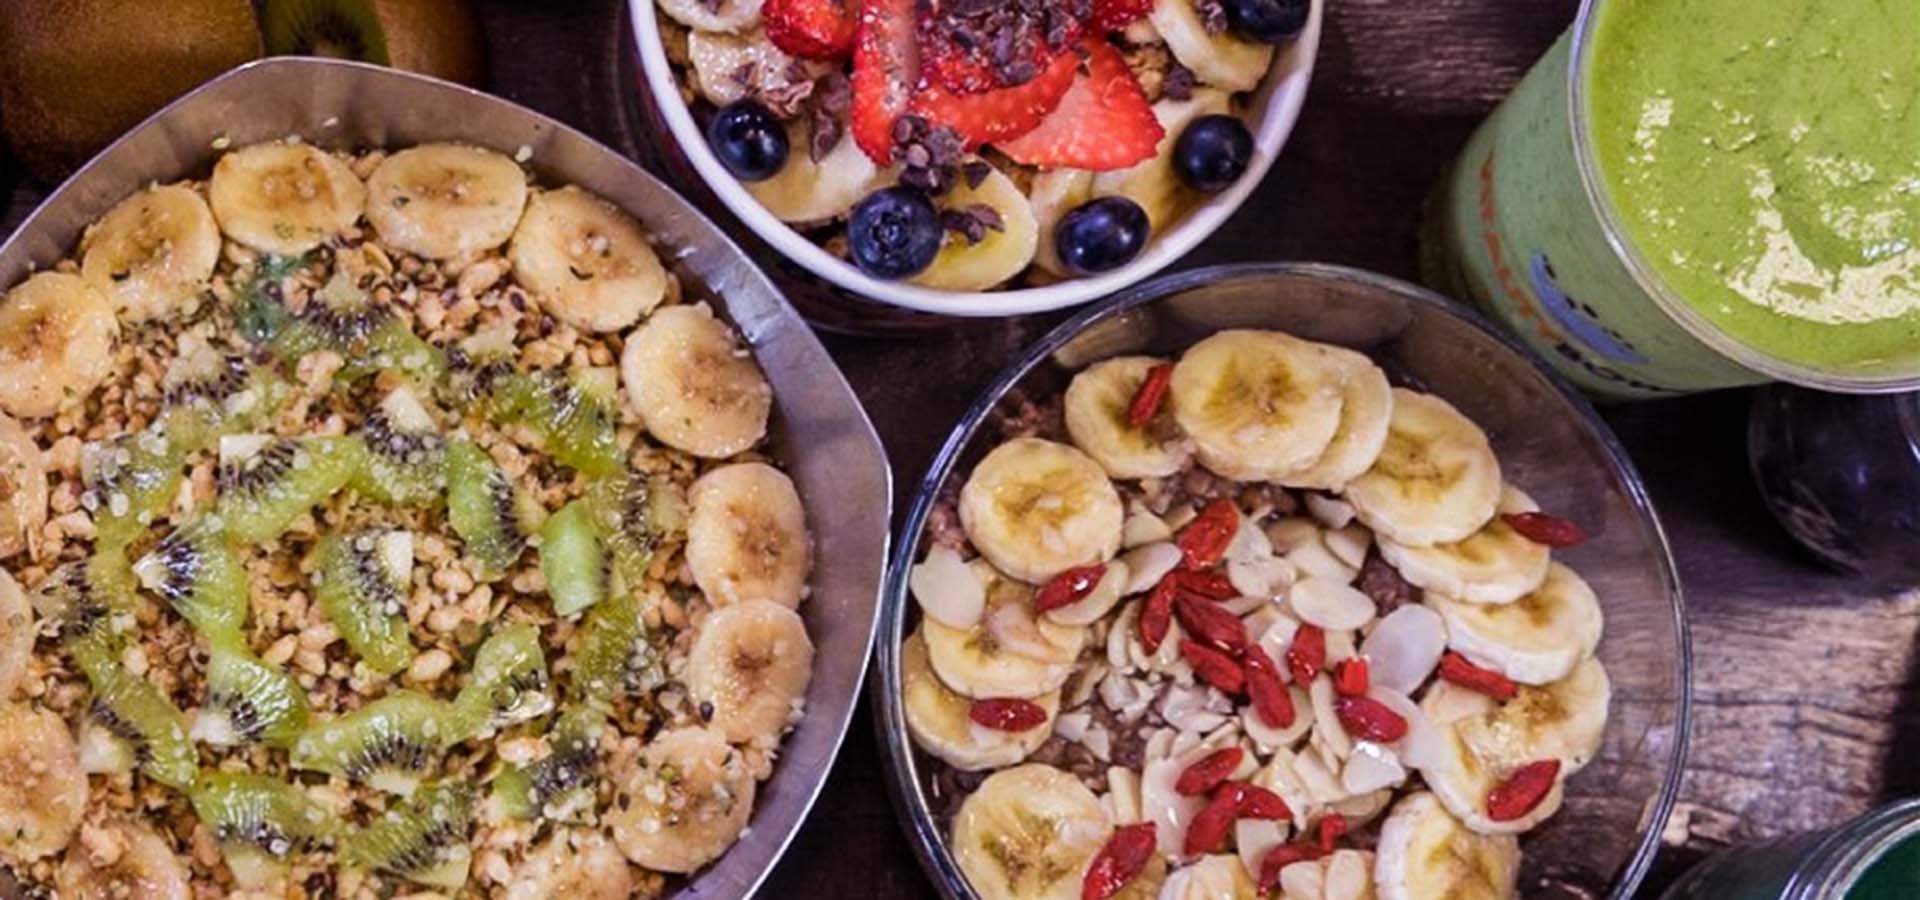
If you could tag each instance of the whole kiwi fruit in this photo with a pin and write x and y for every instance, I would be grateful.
(441, 38)
(75, 74)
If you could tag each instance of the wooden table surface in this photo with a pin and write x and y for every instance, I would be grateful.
(1807, 708)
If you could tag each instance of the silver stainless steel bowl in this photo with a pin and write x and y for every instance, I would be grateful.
(1550, 442)
(819, 428)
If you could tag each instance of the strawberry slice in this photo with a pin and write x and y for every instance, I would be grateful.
(1002, 113)
(1113, 15)
(950, 63)
(811, 29)
(1103, 123)
(886, 66)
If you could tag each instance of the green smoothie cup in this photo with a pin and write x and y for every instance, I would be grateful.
(1529, 225)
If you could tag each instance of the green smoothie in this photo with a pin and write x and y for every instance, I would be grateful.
(1765, 159)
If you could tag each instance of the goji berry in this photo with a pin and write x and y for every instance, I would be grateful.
(1271, 701)
(1157, 615)
(1307, 655)
(1152, 392)
(1209, 772)
(1541, 528)
(1069, 587)
(1209, 828)
(1332, 827)
(1007, 713)
(1211, 585)
(1522, 791)
(1205, 539)
(1210, 622)
(1350, 677)
(1124, 857)
(1281, 857)
(1459, 670)
(1257, 802)
(1213, 667)
(1369, 719)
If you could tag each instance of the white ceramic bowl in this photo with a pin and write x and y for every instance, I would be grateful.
(1273, 108)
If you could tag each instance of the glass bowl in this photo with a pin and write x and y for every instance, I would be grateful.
(1550, 443)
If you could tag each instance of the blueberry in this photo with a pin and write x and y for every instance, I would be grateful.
(894, 233)
(749, 140)
(1213, 152)
(1101, 234)
(1268, 21)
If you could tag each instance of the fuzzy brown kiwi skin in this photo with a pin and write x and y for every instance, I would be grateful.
(441, 38)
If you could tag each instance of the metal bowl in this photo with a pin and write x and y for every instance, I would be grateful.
(1550, 442)
(819, 428)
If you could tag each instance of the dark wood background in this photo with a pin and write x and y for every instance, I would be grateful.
(1807, 707)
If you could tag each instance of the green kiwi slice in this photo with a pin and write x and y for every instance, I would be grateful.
(130, 708)
(636, 516)
(509, 684)
(248, 700)
(89, 603)
(266, 482)
(558, 786)
(388, 744)
(207, 394)
(576, 421)
(362, 585)
(423, 839)
(131, 480)
(196, 570)
(492, 517)
(572, 562)
(406, 453)
(260, 822)
(618, 655)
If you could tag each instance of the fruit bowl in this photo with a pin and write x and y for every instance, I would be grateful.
(835, 294)
(1548, 440)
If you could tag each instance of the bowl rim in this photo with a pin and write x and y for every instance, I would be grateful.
(909, 800)
(1284, 101)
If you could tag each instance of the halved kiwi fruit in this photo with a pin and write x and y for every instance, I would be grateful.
(435, 37)
(574, 418)
(388, 744)
(423, 839)
(636, 516)
(259, 822)
(508, 684)
(362, 585)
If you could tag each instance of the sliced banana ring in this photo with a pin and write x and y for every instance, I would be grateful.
(1436, 480)
(1426, 854)
(688, 803)
(588, 263)
(696, 388)
(1096, 405)
(284, 198)
(1534, 640)
(941, 722)
(1216, 877)
(43, 792)
(122, 861)
(153, 252)
(17, 628)
(1366, 408)
(1257, 404)
(1005, 247)
(1035, 508)
(56, 343)
(582, 867)
(747, 536)
(1029, 833)
(1493, 565)
(714, 15)
(1224, 60)
(444, 201)
(1010, 653)
(1565, 720)
(752, 661)
(23, 489)
(806, 190)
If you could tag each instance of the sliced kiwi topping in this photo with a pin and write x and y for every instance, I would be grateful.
(207, 394)
(558, 786)
(369, 337)
(90, 604)
(197, 571)
(362, 584)
(576, 421)
(508, 684)
(266, 482)
(492, 517)
(260, 310)
(388, 744)
(248, 700)
(131, 480)
(423, 839)
(406, 454)
(636, 516)
(130, 708)
(260, 822)
(618, 655)
(572, 562)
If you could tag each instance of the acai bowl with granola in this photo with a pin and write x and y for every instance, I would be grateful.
(977, 157)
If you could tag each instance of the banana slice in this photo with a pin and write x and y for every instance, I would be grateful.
(1223, 60)
(747, 536)
(733, 16)
(43, 792)
(1436, 480)
(686, 805)
(1366, 408)
(582, 868)
(1096, 406)
(23, 489)
(693, 385)
(1011, 653)
(284, 198)
(1029, 833)
(1534, 640)
(806, 190)
(1152, 182)
(153, 253)
(940, 720)
(1426, 854)
(1257, 404)
(1493, 565)
(732, 67)
(1003, 252)
(1035, 508)
(56, 343)
(1216, 877)
(444, 201)
(752, 660)
(17, 628)
(588, 263)
(122, 861)
(1052, 195)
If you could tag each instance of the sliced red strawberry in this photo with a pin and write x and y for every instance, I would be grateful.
(1002, 113)
(886, 66)
(968, 67)
(811, 29)
(1103, 123)
(1113, 15)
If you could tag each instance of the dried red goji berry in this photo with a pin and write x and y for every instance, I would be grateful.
(1271, 701)
(1211, 585)
(1257, 802)
(1068, 587)
(1541, 528)
(1209, 772)
(1281, 857)
(1157, 615)
(1350, 676)
(1007, 713)
(1459, 670)
(1152, 392)
(1209, 828)
(1369, 719)
(1213, 667)
(1308, 654)
(1124, 857)
(1210, 622)
(1522, 791)
(1332, 827)
(1205, 539)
